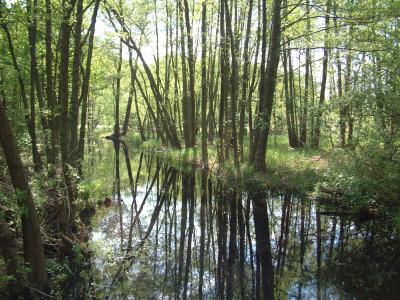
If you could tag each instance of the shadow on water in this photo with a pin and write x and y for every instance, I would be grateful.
(174, 235)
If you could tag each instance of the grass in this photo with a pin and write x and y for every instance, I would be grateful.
(287, 168)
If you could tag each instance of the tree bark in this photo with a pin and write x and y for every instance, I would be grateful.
(117, 94)
(268, 83)
(75, 86)
(245, 81)
(50, 92)
(63, 98)
(204, 136)
(234, 85)
(317, 131)
(85, 85)
(191, 64)
(32, 240)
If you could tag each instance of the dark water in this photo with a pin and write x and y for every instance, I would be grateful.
(186, 235)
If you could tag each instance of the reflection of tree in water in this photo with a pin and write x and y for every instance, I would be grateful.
(191, 236)
(367, 263)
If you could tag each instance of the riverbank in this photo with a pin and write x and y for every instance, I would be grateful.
(345, 179)
(287, 168)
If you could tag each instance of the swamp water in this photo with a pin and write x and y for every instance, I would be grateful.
(181, 235)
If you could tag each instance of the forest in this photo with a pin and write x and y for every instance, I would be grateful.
(203, 149)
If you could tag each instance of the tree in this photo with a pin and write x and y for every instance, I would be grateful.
(204, 92)
(33, 246)
(317, 131)
(267, 86)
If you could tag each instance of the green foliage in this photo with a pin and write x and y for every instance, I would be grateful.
(69, 276)
(367, 176)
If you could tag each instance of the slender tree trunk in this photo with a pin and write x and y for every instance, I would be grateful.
(50, 92)
(75, 86)
(204, 94)
(342, 109)
(186, 104)
(191, 63)
(118, 93)
(234, 85)
(253, 146)
(290, 120)
(85, 84)
(245, 80)
(253, 84)
(304, 117)
(268, 80)
(317, 131)
(35, 76)
(224, 89)
(63, 98)
(133, 71)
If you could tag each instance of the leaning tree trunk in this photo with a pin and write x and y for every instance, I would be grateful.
(32, 240)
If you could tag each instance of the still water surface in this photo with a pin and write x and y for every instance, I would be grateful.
(185, 235)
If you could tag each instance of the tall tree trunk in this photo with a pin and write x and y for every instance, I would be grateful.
(290, 119)
(118, 93)
(186, 104)
(131, 94)
(50, 92)
(245, 80)
(63, 98)
(253, 145)
(32, 240)
(35, 76)
(234, 85)
(224, 89)
(304, 117)
(85, 85)
(316, 136)
(75, 86)
(191, 63)
(253, 83)
(204, 150)
(268, 81)
(342, 109)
